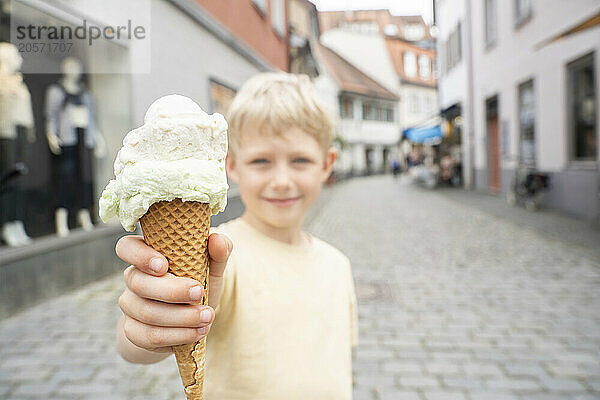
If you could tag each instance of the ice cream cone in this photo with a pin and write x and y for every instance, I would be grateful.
(179, 230)
(170, 175)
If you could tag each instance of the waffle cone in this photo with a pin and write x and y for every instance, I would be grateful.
(179, 230)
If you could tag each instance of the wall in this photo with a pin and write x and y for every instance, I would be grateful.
(524, 53)
(518, 57)
(451, 86)
(410, 117)
(367, 52)
(244, 20)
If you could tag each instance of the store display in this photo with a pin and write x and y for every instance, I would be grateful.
(70, 130)
(15, 116)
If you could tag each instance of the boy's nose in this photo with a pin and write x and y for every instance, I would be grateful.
(281, 179)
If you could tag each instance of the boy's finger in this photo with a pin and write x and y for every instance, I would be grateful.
(219, 249)
(155, 337)
(133, 250)
(168, 288)
(158, 313)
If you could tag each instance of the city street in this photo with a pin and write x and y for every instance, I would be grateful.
(458, 299)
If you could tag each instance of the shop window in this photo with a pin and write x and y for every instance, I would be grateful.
(582, 106)
(221, 97)
(527, 123)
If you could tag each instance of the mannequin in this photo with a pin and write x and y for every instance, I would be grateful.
(15, 111)
(70, 129)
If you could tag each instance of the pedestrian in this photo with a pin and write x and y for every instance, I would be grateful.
(395, 167)
(282, 307)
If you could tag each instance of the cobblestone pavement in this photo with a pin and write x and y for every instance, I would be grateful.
(454, 303)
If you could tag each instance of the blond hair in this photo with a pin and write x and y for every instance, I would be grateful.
(276, 101)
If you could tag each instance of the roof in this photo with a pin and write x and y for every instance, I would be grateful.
(396, 49)
(351, 79)
(382, 17)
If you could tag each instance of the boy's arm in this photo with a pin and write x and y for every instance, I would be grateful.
(132, 353)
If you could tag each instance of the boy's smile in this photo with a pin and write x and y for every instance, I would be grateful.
(279, 178)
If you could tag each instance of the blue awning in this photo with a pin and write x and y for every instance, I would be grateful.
(424, 135)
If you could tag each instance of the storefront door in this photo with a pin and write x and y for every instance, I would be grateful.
(493, 149)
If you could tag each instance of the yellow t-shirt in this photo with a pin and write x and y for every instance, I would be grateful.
(285, 323)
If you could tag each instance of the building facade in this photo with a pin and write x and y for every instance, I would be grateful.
(396, 51)
(534, 70)
(368, 130)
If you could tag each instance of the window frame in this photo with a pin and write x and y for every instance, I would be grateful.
(426, 77)
(571, 67)
(262, 6)
(342, 103)
(404, 63)
(490, 42)
(521, 87)
(520, 19)
(279, 30)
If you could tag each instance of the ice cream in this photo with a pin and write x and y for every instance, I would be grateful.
(170, 175)
(179, 152)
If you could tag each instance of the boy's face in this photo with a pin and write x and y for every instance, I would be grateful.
(279, 176)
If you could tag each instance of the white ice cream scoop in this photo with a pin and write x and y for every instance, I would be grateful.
(179, 152)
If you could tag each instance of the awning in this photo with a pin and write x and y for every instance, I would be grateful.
(429, 135)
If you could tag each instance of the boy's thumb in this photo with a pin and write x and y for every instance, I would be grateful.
(219, 249)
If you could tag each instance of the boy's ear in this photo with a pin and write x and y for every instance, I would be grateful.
(231, 168)
(328, 162)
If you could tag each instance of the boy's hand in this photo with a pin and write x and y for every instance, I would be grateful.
(156, 304)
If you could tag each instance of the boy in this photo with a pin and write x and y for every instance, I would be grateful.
(282, 300)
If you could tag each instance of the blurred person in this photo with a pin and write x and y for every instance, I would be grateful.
(414, 158)
(282, 307)
(395, 167)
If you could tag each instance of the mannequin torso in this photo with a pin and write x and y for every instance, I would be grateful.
(78, 113)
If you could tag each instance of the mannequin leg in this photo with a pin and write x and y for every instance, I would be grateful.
(85, 220)
(8, 193)
(67, 168)
(21, 233)
(10, 234)
(62, 222)
(20, 196)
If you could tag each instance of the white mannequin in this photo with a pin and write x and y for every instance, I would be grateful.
(79, 116)
(15, 110)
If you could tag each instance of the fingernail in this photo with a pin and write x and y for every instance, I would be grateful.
(196, 293)
(205, 315)
(202, 331)
(156, 264)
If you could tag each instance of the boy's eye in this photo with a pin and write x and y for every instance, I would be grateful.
(301, 160)
(259, 161)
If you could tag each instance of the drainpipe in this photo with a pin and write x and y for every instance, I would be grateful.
(470, 98)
